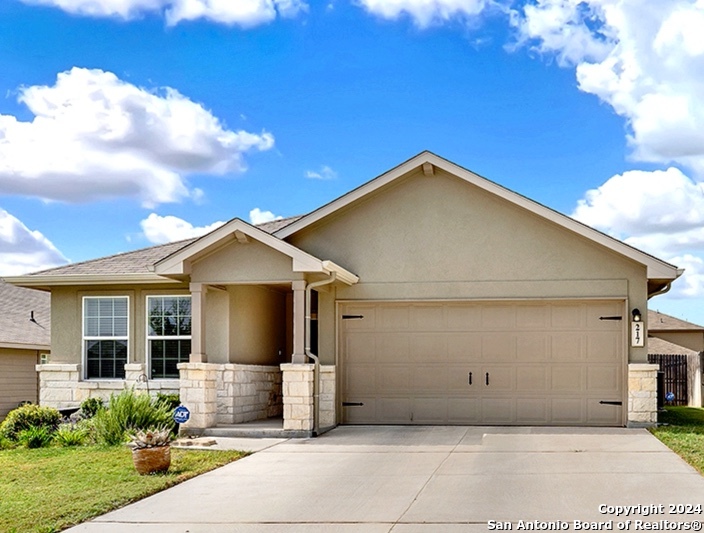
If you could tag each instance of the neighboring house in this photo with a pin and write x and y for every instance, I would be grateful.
(24, 337)
(428, 295)
(672, 336)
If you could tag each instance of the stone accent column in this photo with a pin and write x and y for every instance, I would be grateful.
(134, 373)
(198, 292)
(326, 397)
(299, 322)
(248, 392)
(198, 391)
(58, 385)
(642, 394)
(298, 396)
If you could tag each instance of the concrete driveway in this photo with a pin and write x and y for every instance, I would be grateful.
(411, 479)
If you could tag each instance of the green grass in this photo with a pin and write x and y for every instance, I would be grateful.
(49, 489)
(683, 433)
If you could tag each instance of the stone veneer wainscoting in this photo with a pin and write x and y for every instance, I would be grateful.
(61, 385)
(642, 394)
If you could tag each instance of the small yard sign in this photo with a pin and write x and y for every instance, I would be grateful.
(181, 414)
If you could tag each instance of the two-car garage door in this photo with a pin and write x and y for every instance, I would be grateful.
(523, 363)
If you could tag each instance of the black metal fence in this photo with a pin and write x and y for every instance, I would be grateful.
(674, 379)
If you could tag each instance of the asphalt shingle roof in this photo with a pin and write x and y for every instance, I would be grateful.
(662, 347)
(16, 306)
(139, 261)
(658, 321)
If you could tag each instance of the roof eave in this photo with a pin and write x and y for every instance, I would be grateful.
(45, 282)
(24, 346)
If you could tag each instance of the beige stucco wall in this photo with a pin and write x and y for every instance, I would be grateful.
(439, 237)
(257, 332)
(694, 340)
(18, 378)
(66, 318)
(249, 262)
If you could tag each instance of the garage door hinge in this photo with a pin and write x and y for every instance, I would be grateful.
(352, 317)
(610, 318)
(352, 404)
(605, 402)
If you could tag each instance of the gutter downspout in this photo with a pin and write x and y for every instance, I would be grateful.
(316, 360)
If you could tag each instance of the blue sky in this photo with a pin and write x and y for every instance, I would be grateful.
(126, 123)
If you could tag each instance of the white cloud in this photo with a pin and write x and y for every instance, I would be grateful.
(23, 250)
(244, 13)
(659, 212)
(425, 12)
(257, 216)
(645, 60)
(160, 230)
(325, 173)
(100, 137)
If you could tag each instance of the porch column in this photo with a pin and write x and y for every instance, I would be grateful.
(198, 292)
(299, 321)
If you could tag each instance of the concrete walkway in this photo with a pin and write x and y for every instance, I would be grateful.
(412, 479)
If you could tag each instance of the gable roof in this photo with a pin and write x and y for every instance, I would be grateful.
(178, 263)
(658, 321)
(125, 267)
(656, 268)
(16, 328)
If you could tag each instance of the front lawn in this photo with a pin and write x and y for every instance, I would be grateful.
(683, 433)
(49, 489)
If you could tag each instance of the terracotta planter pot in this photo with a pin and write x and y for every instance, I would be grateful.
(151, 460)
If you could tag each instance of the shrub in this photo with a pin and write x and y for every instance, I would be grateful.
(172, 401)
(35, 437)
(28, 417)
(6, 444)
(71, 435)
(91, 406)
(129, 411)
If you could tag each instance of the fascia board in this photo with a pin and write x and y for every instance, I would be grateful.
(116, 279)
(21, 346)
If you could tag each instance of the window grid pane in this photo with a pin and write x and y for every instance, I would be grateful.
(170, 318)
(105, 323)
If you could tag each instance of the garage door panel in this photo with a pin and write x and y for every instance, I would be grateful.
(567, 378)
(464, 347)
(532, 347)
(532, 317)
(359, 414)
(429, 410)
(497, 410)
(429, 378)
(603, 346)
(567, 316)
(428, 347)
(464, 318)
(393, 318)
(498, 347)
(498, 317)
(464, 411)
(532, 379)
(361, 379)
(605, 414)
(392, 348)
(604, 379)
(567, 411)
(547, 363)
(567, 347)
(427, 318)
(394, 410)
(394, 378)
(532, 411)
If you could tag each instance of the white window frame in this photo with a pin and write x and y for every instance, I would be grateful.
(148, 338)
(85, 337)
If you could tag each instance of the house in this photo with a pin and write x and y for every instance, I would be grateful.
(428, 295)
(671, 336)
(24, 337)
